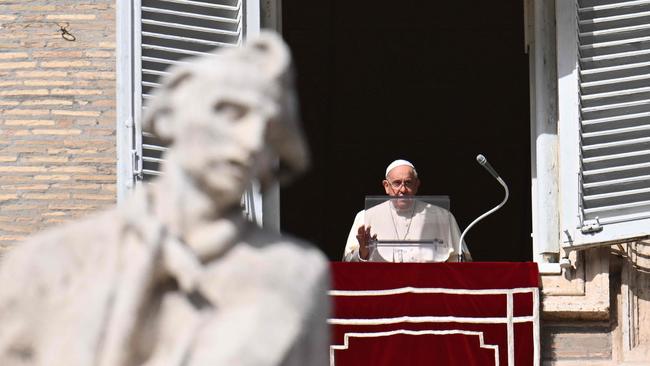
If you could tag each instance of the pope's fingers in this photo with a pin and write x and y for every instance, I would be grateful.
(361, 230)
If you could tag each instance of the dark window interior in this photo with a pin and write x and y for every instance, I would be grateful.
(432, 82)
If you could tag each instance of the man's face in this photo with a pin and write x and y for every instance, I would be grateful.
(401, 181)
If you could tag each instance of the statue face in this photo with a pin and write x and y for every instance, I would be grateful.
(230, 117)
(221, 140)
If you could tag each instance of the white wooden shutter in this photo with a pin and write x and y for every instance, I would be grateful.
(162, 33)
(170, 31)
(613, 123)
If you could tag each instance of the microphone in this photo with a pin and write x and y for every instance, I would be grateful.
(485, 164)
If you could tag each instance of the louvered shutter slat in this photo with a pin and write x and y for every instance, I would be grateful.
(618, 93)
(634, 209)
(152, 85)
(613, 31)
(614, 43)
(611, 18)
(609, 107)
(598, 162)
(175, 50)
(158, 60)
(614, 56)
(597, 123)
(206, 4)
(606, 73)
(589, 147)
(153, 147)
(151, 172)
(615, 81)
(154, 72)
(615, 131)
(604, 196)
(614, 62)
(153, 160)
(189, 40)
(616, 172)
(613, 182)
(189, 15)
(613, 5)
(179, 26)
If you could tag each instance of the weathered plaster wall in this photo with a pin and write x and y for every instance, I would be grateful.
(634, 303)
(57, 113)
(576, 310)
(597, 313)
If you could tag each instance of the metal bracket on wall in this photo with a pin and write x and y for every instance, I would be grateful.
(591, 226)
(136, 163)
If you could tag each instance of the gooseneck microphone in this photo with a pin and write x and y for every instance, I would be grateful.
(485, 164)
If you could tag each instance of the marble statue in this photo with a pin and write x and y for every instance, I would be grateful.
(176, 276)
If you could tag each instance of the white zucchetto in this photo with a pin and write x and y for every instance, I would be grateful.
(400, 162)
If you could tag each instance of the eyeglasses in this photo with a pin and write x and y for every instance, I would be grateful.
(397, 183)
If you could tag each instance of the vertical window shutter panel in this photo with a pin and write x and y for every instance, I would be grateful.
(614, 69)
(172, 30)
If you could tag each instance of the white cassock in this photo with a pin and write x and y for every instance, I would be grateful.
(422, 222)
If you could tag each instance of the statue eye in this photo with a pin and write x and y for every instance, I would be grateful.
(165, 111)
(231, 110)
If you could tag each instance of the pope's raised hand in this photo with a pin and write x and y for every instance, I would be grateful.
(364, 238)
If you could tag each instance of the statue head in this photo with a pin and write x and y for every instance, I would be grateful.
(230, 117)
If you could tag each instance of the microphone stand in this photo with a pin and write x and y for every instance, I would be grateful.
(481, 160)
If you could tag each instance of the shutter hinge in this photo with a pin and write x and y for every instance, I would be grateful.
(591, 226)
(136, 163)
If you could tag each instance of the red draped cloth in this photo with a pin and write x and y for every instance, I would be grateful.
(435, 314)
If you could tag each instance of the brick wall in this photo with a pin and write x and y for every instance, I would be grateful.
(57, 113)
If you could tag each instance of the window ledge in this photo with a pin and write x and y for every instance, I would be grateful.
(549, 268)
